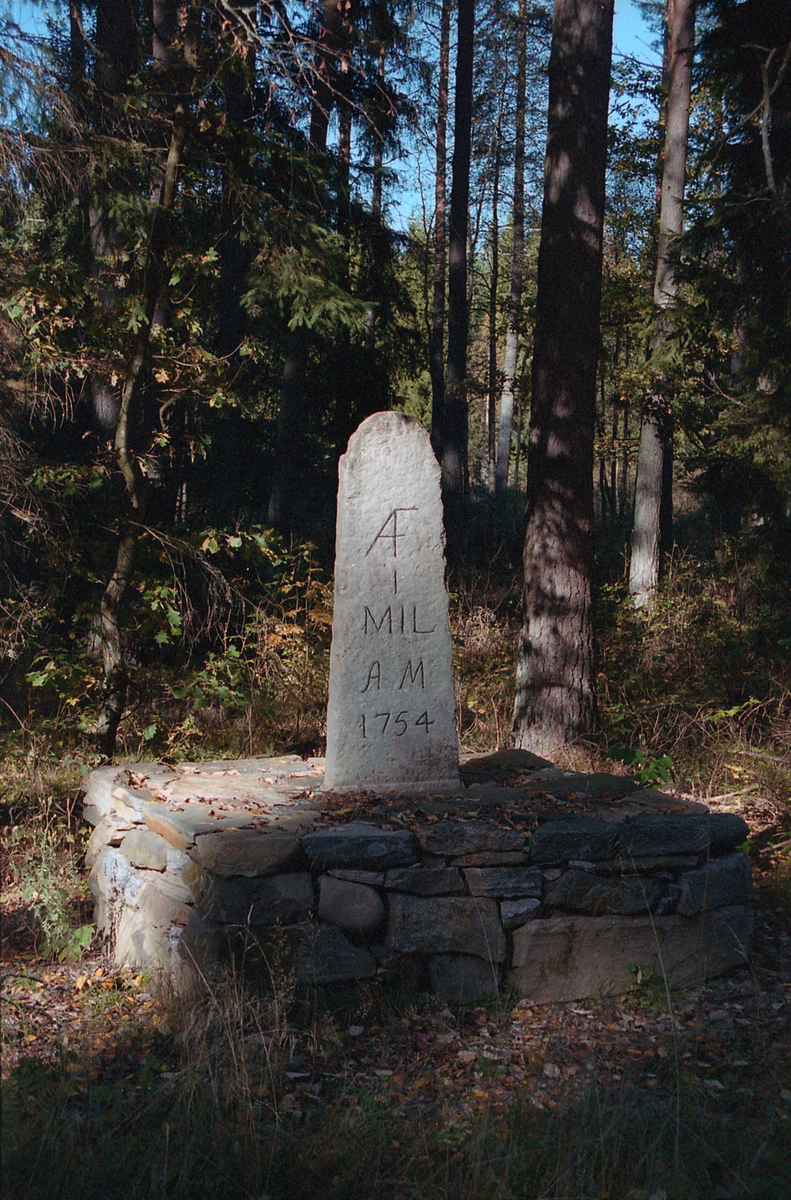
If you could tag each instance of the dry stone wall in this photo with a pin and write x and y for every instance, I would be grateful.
(494, 885)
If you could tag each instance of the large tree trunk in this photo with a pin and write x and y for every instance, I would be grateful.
(437, 333)
(453, 453)
(555, 676)
(517, 268)
(136, 492)
(494, 281)
(653, 489)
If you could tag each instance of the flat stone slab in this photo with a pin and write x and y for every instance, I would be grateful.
(579, 838)
(514, 913)
(360, 845)
(454, 838)
(569, 958)
(275, 900)
(446, 925)
(391, 712)
(509, 883)
(181, 826)
(721, 881)
(657, 834)
(583, 892)
(245, 851)
(425, 881)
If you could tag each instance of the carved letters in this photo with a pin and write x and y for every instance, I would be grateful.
(391, 716)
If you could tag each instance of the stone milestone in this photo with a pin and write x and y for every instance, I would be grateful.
(391, 715)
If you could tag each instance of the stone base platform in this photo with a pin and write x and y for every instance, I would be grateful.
(558, 884)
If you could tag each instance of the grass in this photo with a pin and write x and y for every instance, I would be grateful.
(227, 1098)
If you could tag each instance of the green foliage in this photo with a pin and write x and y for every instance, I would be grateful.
(647, 770)
(48, 881)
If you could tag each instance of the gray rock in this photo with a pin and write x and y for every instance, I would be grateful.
(372, 878)
(446, 925)
(453, 838)
(722, 881)
(506, 858)
(391, 712)
(145, 849)
(425, 881)
(462, 978)
(199, 943)
(245, 851)
(500, 764)
(355, 907)
(138, 943)
(504, 883)
(652, 800)
(577, 837)
(181, 826)
(272, 900)
(559, 783)
(171, 884)
(649, 864)
(659, 834)
(514, 913)
(569, 958)
(130, 802)
(359, 846)
(597, 895)
(727, 831)
(108, 831)
(98, 789)
(325, 956)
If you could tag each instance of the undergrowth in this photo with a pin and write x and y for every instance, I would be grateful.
(238, 1102)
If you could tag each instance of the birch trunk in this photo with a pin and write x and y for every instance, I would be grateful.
(505, 426)
(653, 488)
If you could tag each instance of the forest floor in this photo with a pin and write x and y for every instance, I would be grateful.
(110, 1089)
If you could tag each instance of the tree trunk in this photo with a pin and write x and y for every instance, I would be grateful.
(437, 334)
(379, 234)
(115, 673)
(653, 489)
(517, 267)
(453, 455)
(493, 285)
(555, 676)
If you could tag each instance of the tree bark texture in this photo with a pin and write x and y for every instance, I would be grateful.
(437, 332)
(555, 677)
(453, 453)
(653, 488)
(494, 280)
(506, 421)
(136, 491)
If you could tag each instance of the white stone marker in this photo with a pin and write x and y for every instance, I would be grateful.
(391, 717)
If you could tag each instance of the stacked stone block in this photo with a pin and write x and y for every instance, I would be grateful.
(562, 912)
